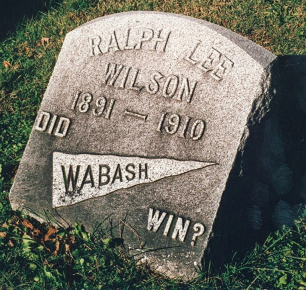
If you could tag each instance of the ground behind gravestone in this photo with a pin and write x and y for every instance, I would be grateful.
(14, 11)
(35, 256)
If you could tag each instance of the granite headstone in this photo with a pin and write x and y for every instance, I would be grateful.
(141, 122)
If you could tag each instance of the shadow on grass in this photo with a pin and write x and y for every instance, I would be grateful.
(14, 11)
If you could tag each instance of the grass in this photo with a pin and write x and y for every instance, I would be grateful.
(39, 256)
(35, 256)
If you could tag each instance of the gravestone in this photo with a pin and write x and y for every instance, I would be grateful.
(141, 123)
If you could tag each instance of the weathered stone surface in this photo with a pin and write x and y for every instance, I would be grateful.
(141, 122)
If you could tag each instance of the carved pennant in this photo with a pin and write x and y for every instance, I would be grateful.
(79, 177)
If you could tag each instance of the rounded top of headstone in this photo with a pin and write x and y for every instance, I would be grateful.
(179, 22)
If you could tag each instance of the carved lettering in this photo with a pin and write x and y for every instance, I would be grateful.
(172, 125)
(102, 106)
(189, 56)
(211, 61)
(133, 85)
(118, 174)
(80, 176)
(186, 90)
(42, 122)
(147, 35)
(155, 220)
(71, 178)
(127, 45)
(113, 42)
(121, 75)
(143, 171)
(162, 40)
(215, 63)
(174, 122)
(176, 87)
(88, 174)
(52, 124)
(95, 45)
(112, 73)
(100, 103)
(103, 175)
(170, 86)
(197, 130)
(133, 38)
(179, 226)
(185, 127)
(168, 225)
(180, 230)
(61, 124)
(153, 87)
(222, 69)
(125, 77)
(130, 168)
(62, 127)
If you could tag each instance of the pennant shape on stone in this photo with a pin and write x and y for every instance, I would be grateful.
(79, 177)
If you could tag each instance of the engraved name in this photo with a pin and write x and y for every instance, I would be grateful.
(138, 38)
(173, 86)
(178, 225)
(215, 63)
